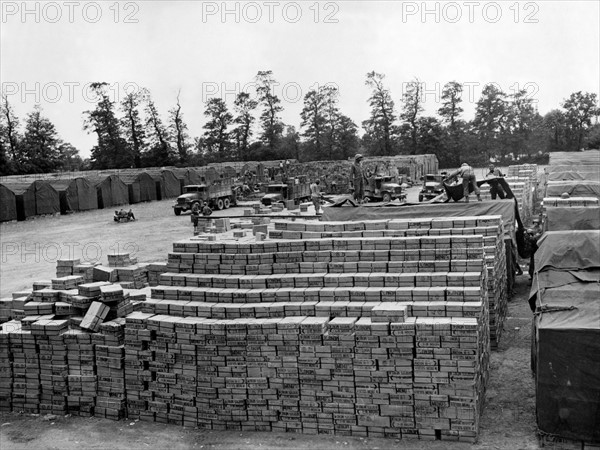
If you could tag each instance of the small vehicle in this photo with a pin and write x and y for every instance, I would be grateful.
(383, 189)
(218, 196)
(280, 192)
(433, 185)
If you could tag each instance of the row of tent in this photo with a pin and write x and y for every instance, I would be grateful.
(20, 199)
(565, 295)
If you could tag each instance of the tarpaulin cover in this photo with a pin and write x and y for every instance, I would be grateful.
(592, 174)
(564, 258)
(574, 188)
(110, 191)
(456, 191)
(141, 186)
(566, 357)
(504, 208)
(568, 250)
(572, 218)
(8, 204)
(575, 158)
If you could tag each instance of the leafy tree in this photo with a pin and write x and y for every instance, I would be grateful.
(490, 119)
(111, 151)
(40, 145)
(580, 108)
(451, 100)
(314, 122)
(244, 107)
(133, 125)
(379, 126)
(159, 152)
(555, 123)
(412, 106)
(346, 137)
(216, 139)
(9, 138)
(521, 119)
(68, 157)
(290, 144)
(271, 124)
(178, 130)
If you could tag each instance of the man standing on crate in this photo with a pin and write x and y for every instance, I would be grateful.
(495, 186)
(315, 195)
(358, 178)
(467, 174)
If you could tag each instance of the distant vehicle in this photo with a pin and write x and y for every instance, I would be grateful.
(383, 189)
(280, 192)
(433, 185)
(218, 196)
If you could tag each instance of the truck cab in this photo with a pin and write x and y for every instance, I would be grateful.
(383, 188)
(276, 193)
(433, 185)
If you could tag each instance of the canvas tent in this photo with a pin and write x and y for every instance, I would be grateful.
(8, 204)
(187, 176)
(140, 185)
(110, 191)
(566, 340)
(35, 198)
(575, 158)
(77, 194)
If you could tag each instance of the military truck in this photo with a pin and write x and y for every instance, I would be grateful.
(433, 185)
(218, 196)
(294, 189)
(382, 188)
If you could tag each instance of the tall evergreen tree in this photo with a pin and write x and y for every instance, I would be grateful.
(412, 106)
(133, 125)
(216, 139)
(244, 108)
(271, 124)
(111, 150)
(379, 127)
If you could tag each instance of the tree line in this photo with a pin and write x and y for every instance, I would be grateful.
(132, 132)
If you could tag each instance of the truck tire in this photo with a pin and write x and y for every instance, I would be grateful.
(219, 204)
(387, 197)
(226, 202)
(177, 211)
(420, 198)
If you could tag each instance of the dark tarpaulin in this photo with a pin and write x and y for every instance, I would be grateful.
(572, 218)
(591, 174)
(456, 191)
(8, 204)
(110, 191)
(505, 208)
(568, 250)
(574, 188)
(566, 361)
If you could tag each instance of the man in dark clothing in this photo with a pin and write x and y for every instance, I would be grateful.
(495, 187)
(358, 178)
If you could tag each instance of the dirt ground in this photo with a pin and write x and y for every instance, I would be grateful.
(29, 253)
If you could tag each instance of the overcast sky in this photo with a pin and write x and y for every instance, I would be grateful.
(51, 50)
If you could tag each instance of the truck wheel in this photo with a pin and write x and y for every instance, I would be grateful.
(219, 204)
(226, 203)
(387, 197)
(420, 198)
(177, 211)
